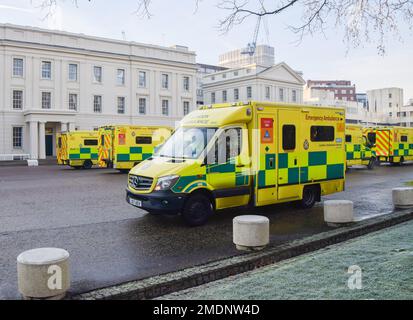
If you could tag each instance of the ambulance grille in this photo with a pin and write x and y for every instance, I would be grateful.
(140, 183)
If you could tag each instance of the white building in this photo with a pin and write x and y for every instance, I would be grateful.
(384, 106)
(406, 114)
(54, 81)
(278, 83)
(355, 112)
(263, 56)
(203, 70)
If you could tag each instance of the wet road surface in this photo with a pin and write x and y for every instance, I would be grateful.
(111, 242)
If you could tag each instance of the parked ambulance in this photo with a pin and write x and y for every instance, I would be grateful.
(124, 146)
(243, 154)
(391, 144)
(358, 150)
(78, 149)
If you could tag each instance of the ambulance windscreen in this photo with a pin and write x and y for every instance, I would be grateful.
(186, 143)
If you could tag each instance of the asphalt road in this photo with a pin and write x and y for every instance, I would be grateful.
(111, 242)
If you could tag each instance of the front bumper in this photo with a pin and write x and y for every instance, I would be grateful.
(160, 202)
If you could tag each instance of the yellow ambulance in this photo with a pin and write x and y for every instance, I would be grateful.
(123, 146)
(358, 150)
(243, 154)
(78, 149)
(391, 144)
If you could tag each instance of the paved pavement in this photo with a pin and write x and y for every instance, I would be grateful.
(111, 242)
(384, 260)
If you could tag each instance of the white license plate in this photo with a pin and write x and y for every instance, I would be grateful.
(136, 203)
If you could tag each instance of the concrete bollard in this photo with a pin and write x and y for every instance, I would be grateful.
(32, 163)
(43, 273)
(403, 197)
(337, 212)
(251, 232)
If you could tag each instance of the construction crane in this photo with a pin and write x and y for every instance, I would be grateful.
(250, 49)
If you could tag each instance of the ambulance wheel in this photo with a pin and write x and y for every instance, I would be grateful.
(310, 196)
(87, 164)
(371, 164)
(197, 210)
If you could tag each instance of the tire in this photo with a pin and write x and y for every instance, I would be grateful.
(197, 210)
(372, 164)
(87, 164)
(310, 196)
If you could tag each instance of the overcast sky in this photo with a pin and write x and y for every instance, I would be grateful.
(174, 22)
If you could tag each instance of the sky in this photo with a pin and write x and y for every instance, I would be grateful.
(177, 22)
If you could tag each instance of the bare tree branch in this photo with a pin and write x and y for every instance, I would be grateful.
(362, 21)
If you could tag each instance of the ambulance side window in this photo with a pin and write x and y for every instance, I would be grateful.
(289, 137)
(102, 140)
(59, 143)
(322, 133)
(403, 138)
(371, 136)
(90, 142)
(228, 145)
(143, 140)
(348, 138)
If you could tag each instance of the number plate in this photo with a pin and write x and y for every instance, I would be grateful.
(136, 203)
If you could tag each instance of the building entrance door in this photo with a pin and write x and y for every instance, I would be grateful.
(49, 146)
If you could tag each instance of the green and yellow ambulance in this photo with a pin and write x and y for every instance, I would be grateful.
(243, 154)
(78, 149)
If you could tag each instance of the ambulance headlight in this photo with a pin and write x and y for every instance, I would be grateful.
(166, 183)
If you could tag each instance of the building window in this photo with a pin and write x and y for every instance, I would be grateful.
(267, 93)
(390, 105)
(165, 107)
(142, 79)
(46, 70)
(224, 75)
(121, 105)
(224, 96)
(97, 74)
(186, 83)
(142, 106)
(97, 104)
(281, 94)
(46, 100)
(72, 72)
(236, 94)
(72, 101)
(120, 77)
(17, 99)
(390, 95)
(18, 67)
(235, 73)
(17, 137)
(390, 114)
(249, 92)
(213, 78)
(165, 81)
(294, 95)
(213, 97)
(186, 107)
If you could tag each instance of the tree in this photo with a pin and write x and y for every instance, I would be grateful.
(361, 20)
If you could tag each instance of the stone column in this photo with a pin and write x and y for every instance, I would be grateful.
(34, 137)
(72, 126)
(63, 127)
(42, 140)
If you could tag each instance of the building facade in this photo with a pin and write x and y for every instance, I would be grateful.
(355, 112)
(384, 106)
(263, 56)
(278, 83)
(406, 114)
(54, 81)
(342, 89)
(203, 70)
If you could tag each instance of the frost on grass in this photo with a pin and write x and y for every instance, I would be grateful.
(385, 257)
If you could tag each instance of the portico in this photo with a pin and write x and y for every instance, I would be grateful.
(43, 126)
